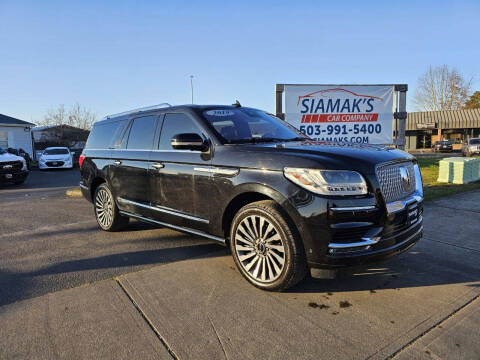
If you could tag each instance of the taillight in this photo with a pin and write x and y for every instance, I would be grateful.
(80, 160)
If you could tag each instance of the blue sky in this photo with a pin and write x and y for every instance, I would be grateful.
(112, 56)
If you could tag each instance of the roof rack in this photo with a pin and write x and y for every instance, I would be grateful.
(146, 108)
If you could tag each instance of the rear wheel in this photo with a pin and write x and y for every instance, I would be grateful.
(106, 211)
(266, 247)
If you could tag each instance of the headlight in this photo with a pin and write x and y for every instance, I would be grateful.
(328, 182)
(418, 180)
(24, 167)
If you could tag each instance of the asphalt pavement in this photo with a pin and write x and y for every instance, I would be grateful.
(50, 242)
(69, 290)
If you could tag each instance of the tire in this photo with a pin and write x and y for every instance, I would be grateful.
(261, 238)
(106, 211)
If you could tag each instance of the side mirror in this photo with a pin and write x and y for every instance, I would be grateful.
(189, 141)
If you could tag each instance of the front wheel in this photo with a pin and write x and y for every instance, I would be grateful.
(266, 247)
(106, 211)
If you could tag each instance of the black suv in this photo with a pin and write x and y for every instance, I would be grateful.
(244, 178)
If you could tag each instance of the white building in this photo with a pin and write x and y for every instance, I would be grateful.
(15, 133)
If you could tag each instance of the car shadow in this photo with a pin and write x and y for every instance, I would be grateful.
(412, 269)
(15, 286)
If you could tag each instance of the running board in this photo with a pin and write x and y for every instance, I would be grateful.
(175, 227)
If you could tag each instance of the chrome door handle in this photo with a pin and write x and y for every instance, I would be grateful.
(117, 162)
(158, 166)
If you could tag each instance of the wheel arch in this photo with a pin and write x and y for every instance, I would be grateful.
(248, 193)
(96, 182)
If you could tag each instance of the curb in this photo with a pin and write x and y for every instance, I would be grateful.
(75, 192)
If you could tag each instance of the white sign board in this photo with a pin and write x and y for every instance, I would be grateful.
(343, 113)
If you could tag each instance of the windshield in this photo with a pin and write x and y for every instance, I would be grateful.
(247, 125)
(56, 152)
(474, 141)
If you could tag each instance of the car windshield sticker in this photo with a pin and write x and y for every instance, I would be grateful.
(220, 113)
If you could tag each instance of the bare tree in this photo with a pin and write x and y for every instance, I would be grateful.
(81, 117)
(442, 88)
(55, 117)
(77, 116)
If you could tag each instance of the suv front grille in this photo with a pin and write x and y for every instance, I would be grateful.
(10, 166)
(397, 181)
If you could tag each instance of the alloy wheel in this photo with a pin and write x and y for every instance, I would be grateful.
(104, 208)
(259, 248)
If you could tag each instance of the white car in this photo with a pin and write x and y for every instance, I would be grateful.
(56, 158)
(13, 168)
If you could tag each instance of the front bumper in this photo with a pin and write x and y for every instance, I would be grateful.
(366, 233)
(16, 176)
(384, 248)
(55, 165)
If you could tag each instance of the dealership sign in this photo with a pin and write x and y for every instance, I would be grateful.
(343, 113)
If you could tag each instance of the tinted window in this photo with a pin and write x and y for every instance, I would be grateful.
(175, 124)
(475, 142)
(142, 132)
(56, 152)
(102, 135)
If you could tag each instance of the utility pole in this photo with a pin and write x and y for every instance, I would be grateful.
(191, 86)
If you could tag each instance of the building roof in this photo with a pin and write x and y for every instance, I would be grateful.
(63, 126)
(448, 119)
(8, 120)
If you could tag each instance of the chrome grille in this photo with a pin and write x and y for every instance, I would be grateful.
(391, 182)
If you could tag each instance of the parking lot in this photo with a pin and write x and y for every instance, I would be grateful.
(69, 290)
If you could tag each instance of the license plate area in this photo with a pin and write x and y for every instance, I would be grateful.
(8, 176)
(413, 213)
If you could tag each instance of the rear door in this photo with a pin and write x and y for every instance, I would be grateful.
(179, 179)
(129, 172)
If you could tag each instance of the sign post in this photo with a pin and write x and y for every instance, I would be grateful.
(345, 113)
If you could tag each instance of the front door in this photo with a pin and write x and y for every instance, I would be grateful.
(129, 172)
(180, 178)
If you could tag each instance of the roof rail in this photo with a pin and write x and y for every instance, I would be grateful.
(146, 108)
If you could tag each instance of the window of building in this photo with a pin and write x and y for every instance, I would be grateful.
(4, 139)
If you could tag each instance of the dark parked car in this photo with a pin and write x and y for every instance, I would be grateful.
(443, 146)
(246, 179)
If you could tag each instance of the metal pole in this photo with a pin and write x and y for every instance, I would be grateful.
(279, 88)
(402, 107)
(191, 86)
(401, 115)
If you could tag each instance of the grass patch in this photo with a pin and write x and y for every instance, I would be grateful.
(432, 188)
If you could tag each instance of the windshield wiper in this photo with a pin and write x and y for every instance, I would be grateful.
(298, 138)
(264, 139)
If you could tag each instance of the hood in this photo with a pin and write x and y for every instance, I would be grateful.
(10, 157)
(329, 155)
